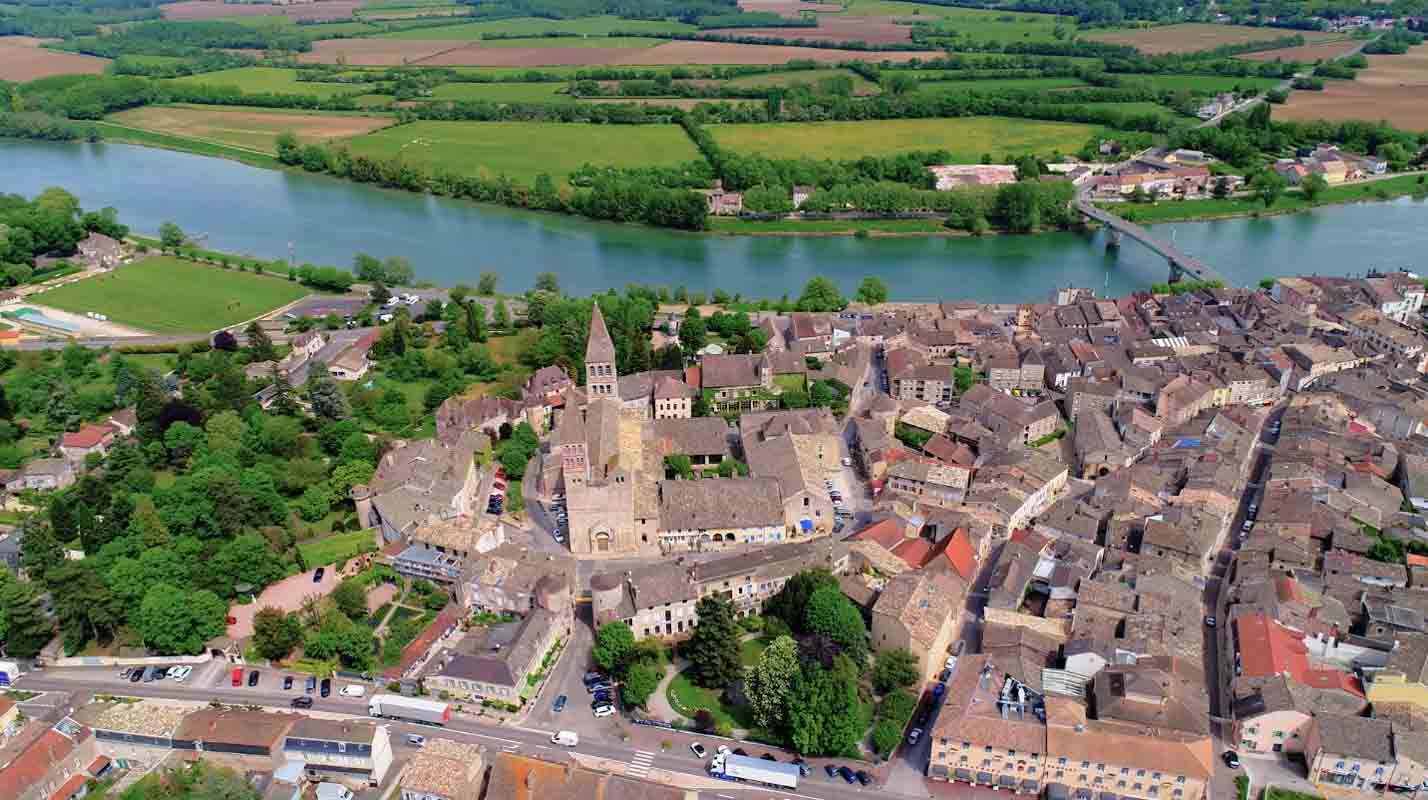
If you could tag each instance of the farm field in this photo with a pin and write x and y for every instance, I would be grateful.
(256, 129)
(427, 52)
(22, 59)
(861, 85)
(523, 150)
(1190, 37)
(1306, 54)
(316, 31)
(1133, 108)
(587, 42)
(1205, 84)
(792, 9)
(534, 26)
(685, 103)
(873, 30)
(197, 298)
(968, 139)
(502, 92)
(1393, 88)
(213, 9)
(998, 84)
(978, 25)
(271, 80)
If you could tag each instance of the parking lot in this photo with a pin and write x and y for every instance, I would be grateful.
(220, 674)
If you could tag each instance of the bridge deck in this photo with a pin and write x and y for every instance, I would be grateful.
(1179, 260)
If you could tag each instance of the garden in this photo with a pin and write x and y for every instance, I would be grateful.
(787, 678)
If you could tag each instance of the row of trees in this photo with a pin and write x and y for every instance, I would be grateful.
(52, 222)
(190, 38)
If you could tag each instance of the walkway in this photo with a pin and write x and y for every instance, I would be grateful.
(658, 703)
(1180, 261)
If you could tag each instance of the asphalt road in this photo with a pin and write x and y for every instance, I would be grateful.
(641, 748)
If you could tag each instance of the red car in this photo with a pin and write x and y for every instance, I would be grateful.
(237, 676)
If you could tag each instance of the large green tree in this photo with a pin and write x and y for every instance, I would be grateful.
(275, 633)
(821, 718)
(174, 621)
(872, 290)
(24, 628)
(770, 682)
(894, 669)
(821, 294)
(1268, 186)
(833, 615)
(614, 642)
(641, 680)
(792, 600)
(350, 597)
(713, 650)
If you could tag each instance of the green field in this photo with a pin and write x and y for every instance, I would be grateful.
(1133, 108)
(967, 24)
(336, 548)
(502, 92)
(320, 31)
(861, 85)
(534, 26)
(1292, 200)
(523, 150)
(998, 85)
(1203, 84)
(271, 80)
(968, 139)
(168, 295)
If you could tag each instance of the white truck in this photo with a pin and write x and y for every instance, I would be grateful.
(733, 767)
(412, 709)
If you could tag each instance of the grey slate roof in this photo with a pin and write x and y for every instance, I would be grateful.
(720, 503)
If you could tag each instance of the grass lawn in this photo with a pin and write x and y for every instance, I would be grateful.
(790, 383)
(522, 150)
(168, 295)
(123, 133)
(502, 92)
(535, 26)
(966, 138)
(271, 80)
(1133, 108)
(1276, 793)
(336, 548)
(688, 699)
(969, 25)
(751, 649)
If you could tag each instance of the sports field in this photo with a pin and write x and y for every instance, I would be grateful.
(271, 80)
(167, 295)
(256, 129)
(534, 26)
(1190, 37)
(523, 150)
(967, 139)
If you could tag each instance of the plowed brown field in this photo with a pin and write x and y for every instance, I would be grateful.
(209, 9)
(22, 59)
(1393, 88)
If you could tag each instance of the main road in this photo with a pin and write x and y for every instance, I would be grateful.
(638, 748)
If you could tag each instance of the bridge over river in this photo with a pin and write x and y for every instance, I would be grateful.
(1182, 264)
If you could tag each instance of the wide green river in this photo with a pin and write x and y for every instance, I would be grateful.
(273, 214)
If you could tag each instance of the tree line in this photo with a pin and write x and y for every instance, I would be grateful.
(189, 39)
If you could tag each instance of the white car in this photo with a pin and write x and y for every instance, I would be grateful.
(604, 711)
(180, 674)
(352, 690)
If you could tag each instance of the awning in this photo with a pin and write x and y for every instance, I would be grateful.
(806, 524)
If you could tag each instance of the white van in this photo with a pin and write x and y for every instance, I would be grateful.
(567, 738)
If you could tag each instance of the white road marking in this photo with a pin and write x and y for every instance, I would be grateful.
(640, 764)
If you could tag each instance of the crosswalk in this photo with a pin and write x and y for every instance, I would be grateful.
(639, 766)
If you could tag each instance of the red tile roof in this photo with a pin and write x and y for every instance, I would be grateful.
(87, 437)
(887, 533)
(1415, 560)
(70, 788)
(958, 553)
(98, 765)
(1268, 648)
(914, 552)
(31, 765)
(423, 642)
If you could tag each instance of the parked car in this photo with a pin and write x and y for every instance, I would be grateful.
(802, 766)
(698, 749)
(848, 775)
(913, 735)
(253, 678)
(559, 704)
(287, 682)
(326, 687)
(1209, 622)
(180, 674)
(769, 757)
(416, 740)
(599, 686)
(136, 675)
(237, 676)
(863, 777)
(739, 751)
(311, 685)
(1232, 759)
(301, 701)
(604, 711)
(831, 770)
(317, 575)
(353, 690)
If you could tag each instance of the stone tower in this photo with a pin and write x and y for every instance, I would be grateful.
(601, 378)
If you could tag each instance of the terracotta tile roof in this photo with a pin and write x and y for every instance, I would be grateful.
(97, 765)
(70, 788)
(87, 437)
(1268, 648)
(1415, 560)
(914, 552)
(31, 765)
(887, 533)
(958, 553)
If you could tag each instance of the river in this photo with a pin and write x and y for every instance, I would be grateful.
(323, 220)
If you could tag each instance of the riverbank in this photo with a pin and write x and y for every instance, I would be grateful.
(1292, 202)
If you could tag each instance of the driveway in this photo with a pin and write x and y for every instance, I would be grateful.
(287, 595)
